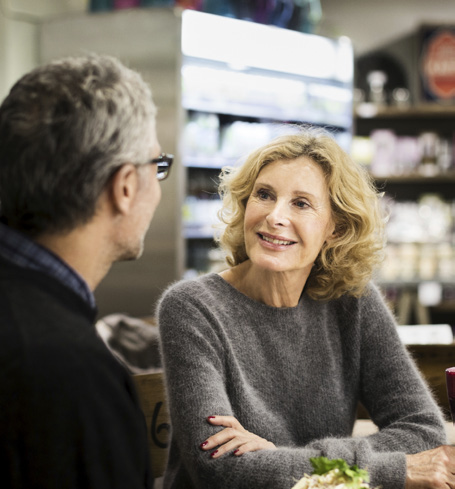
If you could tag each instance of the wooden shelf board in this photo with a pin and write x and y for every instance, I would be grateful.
(423, 111)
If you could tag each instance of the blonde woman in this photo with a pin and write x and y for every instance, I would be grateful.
(267, 361)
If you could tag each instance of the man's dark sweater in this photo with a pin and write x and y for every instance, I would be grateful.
(69, 414)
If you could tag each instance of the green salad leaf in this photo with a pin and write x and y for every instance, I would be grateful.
(351, 475)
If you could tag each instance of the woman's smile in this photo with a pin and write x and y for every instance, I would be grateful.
(277, 241)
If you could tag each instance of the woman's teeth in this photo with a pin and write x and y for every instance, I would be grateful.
(275, 241)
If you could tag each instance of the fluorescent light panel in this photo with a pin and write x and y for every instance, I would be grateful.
(247, 44)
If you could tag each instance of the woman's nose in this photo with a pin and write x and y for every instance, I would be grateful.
(278, 216)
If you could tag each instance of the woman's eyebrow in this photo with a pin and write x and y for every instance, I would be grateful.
(263, 185)
(304, 193)
(297, 193)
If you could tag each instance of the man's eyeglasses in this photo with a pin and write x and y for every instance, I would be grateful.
(164, 163)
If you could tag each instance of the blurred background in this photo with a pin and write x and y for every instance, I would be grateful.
(229, 75)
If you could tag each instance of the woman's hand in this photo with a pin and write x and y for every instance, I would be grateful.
(234, 438)
(431, 469)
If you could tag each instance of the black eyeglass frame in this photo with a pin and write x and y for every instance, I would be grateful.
(164, 163)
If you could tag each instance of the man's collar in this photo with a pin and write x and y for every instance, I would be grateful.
(26, 253)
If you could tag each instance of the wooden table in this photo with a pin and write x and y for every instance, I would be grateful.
(432, 361)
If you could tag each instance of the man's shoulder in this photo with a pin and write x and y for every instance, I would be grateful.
(36, 335)
(34, 293)
(61, 356)
(41, 327)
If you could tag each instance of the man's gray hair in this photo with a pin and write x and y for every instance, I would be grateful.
(64, 130)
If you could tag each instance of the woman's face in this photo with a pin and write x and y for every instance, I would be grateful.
(288, 216)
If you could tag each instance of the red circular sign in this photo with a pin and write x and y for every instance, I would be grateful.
(439, 65)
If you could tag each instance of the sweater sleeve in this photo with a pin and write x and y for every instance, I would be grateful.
(393, 391)
(194, 368)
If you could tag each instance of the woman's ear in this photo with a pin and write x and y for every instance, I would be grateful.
(124, 186)
(332, 232)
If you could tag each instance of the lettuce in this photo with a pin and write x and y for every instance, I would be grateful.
(350, 475)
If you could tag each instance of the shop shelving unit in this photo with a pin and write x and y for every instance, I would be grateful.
(436, 257)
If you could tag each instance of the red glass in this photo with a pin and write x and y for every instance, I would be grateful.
(450, 381)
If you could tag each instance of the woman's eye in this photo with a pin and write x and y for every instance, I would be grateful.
(262, 194)
(301, 204)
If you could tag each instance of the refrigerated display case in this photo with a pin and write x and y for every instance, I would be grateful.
(243, 84)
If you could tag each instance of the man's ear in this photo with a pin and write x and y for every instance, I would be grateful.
(124, 187)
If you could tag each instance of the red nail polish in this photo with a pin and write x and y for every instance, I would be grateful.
(235, 451)
(211, 417)
(214, 453)
(202, 445)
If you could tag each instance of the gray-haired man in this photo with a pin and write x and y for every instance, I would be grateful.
(79, 170)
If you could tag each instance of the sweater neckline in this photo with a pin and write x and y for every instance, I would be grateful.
(248, 300)
(52, 286)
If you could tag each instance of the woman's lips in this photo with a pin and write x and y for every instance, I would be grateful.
(276, 240)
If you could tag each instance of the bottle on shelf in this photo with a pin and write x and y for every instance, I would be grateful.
(388, 154)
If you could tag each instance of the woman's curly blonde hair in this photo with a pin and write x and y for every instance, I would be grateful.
(347, 261)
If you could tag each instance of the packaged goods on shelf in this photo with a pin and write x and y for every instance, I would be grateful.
(429, 220)
(201, 135)
(383, 160)
(415, 262)
(240, 138)
(388, 154)
(200, 216)
(421, 239)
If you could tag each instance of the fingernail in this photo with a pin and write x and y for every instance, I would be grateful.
(211, 417)
(235, 451)
(202, 445)
(214, 453)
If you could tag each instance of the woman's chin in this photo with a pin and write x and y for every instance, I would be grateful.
(270, 264)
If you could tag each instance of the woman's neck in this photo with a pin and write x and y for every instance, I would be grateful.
(276, 289)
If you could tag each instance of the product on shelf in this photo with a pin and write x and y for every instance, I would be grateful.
(200, 216)
(429, 220)
(420, 241)
(383, 160)
(201, 136)
(388, 154)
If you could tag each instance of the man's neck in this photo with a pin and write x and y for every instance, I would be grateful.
(83, 249)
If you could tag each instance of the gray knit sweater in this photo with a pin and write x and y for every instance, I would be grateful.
(293, 376)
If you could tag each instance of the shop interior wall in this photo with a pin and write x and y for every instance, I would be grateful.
(134, 287)
(371, 23)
